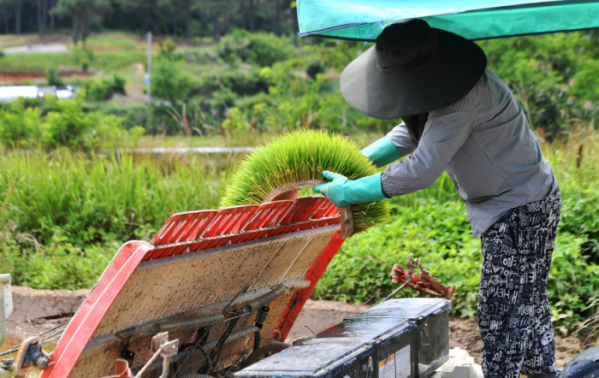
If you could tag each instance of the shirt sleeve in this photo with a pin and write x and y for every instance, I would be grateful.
(445, 132)
(402, 140)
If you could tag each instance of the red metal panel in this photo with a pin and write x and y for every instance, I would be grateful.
(327, 222)
(168, 251)
(230, 220)
(184, 227)
(181, 227)
(327, 210)
(302, 212)
(314, 273)
(268, 215)
(227, 221)
(240, 223)
(89, 315)
(303, 209)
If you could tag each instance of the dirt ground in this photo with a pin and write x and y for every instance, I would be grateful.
(40, 310)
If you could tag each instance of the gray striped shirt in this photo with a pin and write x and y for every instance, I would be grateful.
(484, 144)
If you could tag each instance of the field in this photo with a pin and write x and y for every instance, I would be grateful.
(69, 199)
(65, 214)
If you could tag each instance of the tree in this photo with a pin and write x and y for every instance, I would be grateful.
(145, 7)
(242, 13)
(217, 9)
(187, 14)
(18, 12)
(6, 13)
(84, 13)
(252, 16)
(42, 15)
(164, 7)
(277, 20)
(175, 5)
(170, 80)
(52, 16)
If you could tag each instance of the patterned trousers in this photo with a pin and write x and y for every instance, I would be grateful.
(513, 309)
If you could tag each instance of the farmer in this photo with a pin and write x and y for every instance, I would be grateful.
(462, 119)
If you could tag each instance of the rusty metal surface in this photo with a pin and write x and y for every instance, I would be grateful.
(196, 262)
(424, 283)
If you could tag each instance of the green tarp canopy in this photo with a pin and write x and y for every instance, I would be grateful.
(365, 19)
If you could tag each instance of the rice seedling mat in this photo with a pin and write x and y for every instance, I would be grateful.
(195, 266)
(297, 160)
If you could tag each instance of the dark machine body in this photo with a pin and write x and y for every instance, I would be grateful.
(401, 338)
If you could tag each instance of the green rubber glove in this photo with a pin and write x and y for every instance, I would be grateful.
(343, 191)
(381, 152)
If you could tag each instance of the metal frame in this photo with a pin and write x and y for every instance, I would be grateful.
(210, 232)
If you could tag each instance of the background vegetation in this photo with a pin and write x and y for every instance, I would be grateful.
(190, 19)
(70, 194)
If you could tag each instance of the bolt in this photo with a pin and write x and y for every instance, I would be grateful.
(41, 361)
(7, 362)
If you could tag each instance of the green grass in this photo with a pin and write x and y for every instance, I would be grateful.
(108, 61)
(116, 41)
(74, 209)
(299, 156)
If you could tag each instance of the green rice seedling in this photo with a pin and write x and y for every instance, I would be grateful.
(302, 156)
(101, 198)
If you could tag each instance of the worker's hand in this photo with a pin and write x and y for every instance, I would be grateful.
(335, 190)
(343, 191)
(381, 152)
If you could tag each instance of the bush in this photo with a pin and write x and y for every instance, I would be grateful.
(438, 232)
(83, 56)
(337, 54)
(68, 126)
(166, 50)
(295, 103)
(171, 80)
(573, 282)
(20, 127)
(553, 76)
(61, 123)
(314, 69)
(52, 78)
(242, 82)
(58, 265)
(262, 49)
(103, 89)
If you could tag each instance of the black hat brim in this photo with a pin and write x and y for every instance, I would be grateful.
(378, 94)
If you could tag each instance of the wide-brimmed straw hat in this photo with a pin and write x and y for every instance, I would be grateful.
(412, 69)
